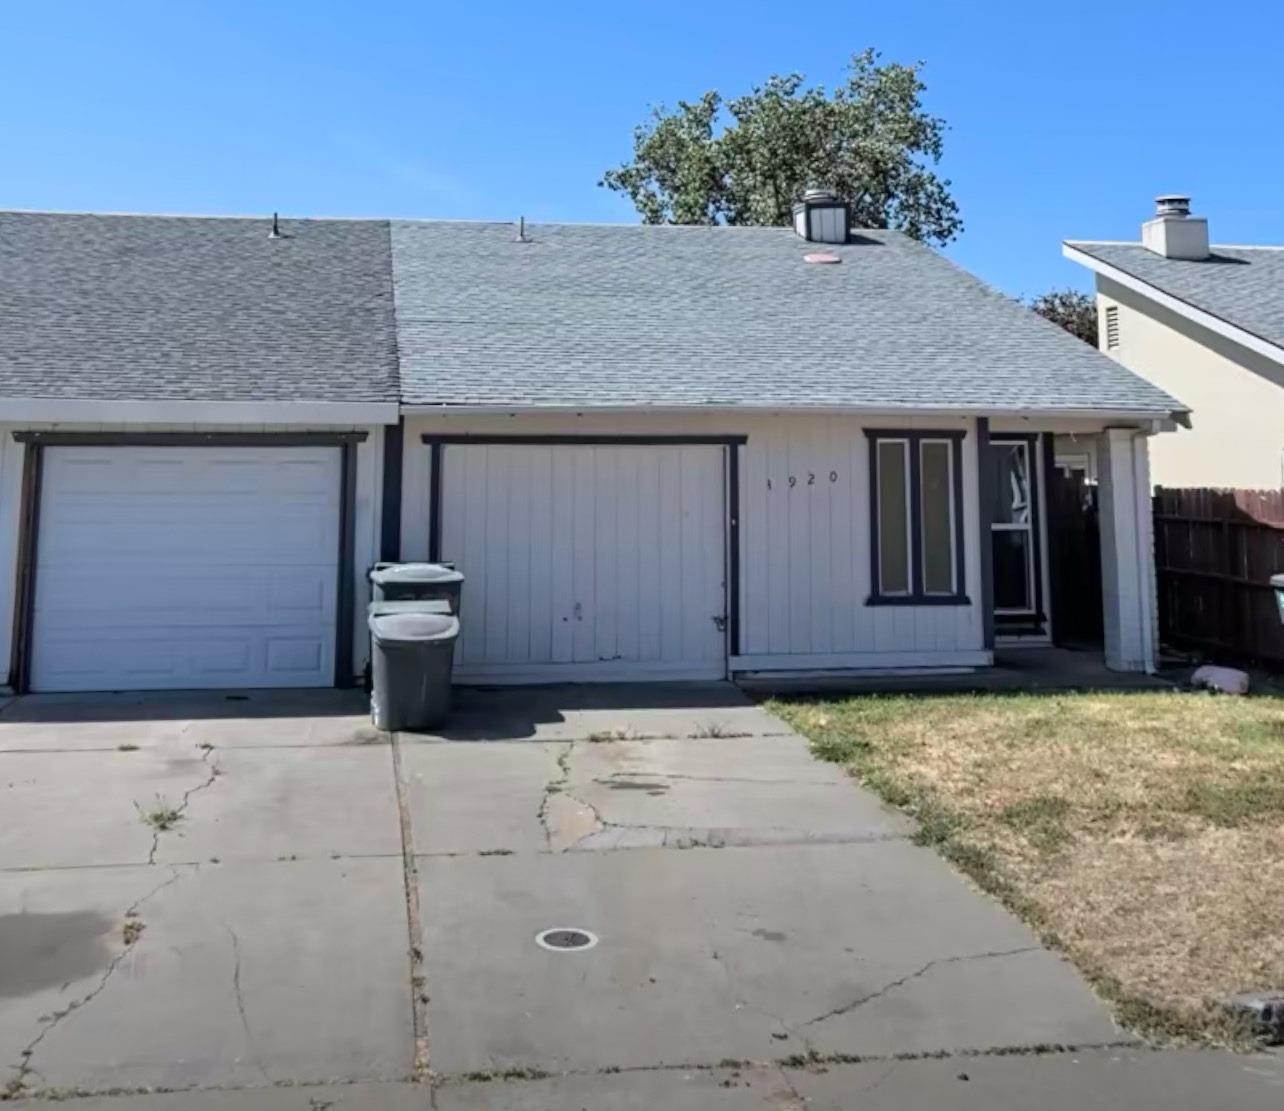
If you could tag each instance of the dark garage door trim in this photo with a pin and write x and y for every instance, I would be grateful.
(29, 521)
(731, 458)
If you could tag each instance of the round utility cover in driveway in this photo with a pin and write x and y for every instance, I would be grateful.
(565, 939)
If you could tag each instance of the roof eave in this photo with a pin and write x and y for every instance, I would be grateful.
(67, 410)
(1107, 415)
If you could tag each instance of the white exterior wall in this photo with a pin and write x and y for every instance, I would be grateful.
(366, 524)
(805, 550)
(1236, 396)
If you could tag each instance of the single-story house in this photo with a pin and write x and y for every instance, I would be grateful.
(1204, 322)
(680, 452)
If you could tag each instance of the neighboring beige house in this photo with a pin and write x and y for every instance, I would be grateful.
(1205, 324)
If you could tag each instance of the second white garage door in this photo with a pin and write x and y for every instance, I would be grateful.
(587, 562)
(174, 567)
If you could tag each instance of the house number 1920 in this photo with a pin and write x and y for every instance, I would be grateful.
(810, 480)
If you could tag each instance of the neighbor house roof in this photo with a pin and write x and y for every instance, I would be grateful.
(629, 315)
(1241, 286)
(130, 308)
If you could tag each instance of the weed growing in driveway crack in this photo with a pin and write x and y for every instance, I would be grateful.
(715, 729)
(132, 931)
(126, 746)
(483, 1076)
(602, 735)
(160, 817)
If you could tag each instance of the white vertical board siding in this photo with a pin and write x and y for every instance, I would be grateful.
(366, 536)
(11, 457)
(804, 548)
(587, 562)
(805, 497)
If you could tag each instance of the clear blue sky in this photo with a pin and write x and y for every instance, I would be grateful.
(1065, 118)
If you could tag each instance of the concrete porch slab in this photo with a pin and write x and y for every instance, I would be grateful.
(242, 975)
(738, 953)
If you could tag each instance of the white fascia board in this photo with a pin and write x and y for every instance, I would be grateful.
(1182, 308)
(53, 410)
(1142, 416)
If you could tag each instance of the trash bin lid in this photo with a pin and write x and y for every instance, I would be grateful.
(412, 628)
(433, 605)
(415, 573)
(1277, 581)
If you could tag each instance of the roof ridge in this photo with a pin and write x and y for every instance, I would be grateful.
(189, 215)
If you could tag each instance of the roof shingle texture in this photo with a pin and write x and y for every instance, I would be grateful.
(1243, 286)
(184, 308)
(591, 315)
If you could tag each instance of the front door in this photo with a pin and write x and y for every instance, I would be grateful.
(1015, 523)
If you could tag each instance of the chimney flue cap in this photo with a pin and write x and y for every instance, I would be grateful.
(1172, 204)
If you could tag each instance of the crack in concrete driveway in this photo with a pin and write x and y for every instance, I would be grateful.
(23, 1067)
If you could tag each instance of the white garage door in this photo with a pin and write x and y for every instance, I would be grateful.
(587, 562)
(176, 567)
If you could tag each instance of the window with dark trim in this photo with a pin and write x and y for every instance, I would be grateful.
(916, 518)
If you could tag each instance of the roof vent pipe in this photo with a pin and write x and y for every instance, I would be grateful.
(820, 217)
(1173, 232)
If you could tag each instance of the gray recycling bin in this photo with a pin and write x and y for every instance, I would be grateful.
(1277, 584)
(403, 582)
(411, 655)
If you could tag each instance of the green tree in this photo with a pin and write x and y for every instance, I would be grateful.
(1074, 311)
(747, 160)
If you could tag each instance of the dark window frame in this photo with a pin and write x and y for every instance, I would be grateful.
(1035, 460)
(917, 596)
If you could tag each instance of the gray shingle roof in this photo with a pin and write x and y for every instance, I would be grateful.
(590, 315)
(1243, 286)
(193, 308)
(152, 308)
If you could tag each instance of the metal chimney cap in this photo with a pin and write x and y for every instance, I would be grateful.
(1172, 204)
(819, 193)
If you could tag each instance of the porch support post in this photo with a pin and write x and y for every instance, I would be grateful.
(1127, 549)
(985, 481)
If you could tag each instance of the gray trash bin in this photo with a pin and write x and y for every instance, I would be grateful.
(434, 605)
(404, 582)
(411, 655)
(437, 605)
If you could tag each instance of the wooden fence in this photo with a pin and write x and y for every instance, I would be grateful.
(1215, 552)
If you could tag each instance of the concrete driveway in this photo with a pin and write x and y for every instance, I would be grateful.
(261, 900)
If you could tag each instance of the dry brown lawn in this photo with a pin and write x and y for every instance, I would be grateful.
(1141, 833)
